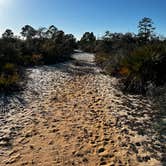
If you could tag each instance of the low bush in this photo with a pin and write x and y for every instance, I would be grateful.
(35, 47)
(143, 65)
(9, 77)
(138, 68)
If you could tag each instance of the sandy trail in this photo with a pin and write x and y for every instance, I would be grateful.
(82, 120)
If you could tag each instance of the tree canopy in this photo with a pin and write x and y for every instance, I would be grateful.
(146, 29)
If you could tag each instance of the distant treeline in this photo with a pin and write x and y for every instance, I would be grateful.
(139, 59)
(34, 47)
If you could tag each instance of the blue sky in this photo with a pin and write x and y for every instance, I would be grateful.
(79, 16)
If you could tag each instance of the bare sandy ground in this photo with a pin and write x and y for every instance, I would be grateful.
(77, 116)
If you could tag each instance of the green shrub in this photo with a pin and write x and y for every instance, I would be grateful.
(109, 62)
(9, 77)
(138, 67)
(143, 65)
(102, 59)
